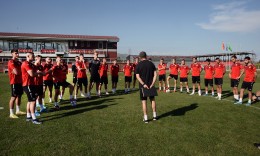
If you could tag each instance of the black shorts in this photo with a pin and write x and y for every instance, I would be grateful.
(247, 85)
(16, 90)
(39, 90)
(128, 78)
(114, 79)
(145, 98)
(195, 79)
(64, 84)
(208, 82)
(83, 81)
(75, 80)
(30, 92)
(234, 82)
(174, 76)
(218, 81)
(95, 78)
(104, 80)
(48, 83)
(162, 77)
(183, 79)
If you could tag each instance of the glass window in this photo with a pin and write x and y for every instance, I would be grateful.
(71, 43)
(48, 45)
(6, 46)
(29, 45)
(82, 44)
(20, 45)
(1, 44)
(100, 45)
(88, 44)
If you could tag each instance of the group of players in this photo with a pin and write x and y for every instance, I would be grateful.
(33, 78)
(214, 72)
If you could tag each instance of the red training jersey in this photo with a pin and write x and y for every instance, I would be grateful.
(209, 71)
(184, 69)
(103, 70)
(14, 64)
(57, 73)
(196, 69)
(250, 71)
(64, 72)
(174, 68)
(162, 71)
(81, 73)
(48, 76)
(128, 70)
(219, 70)
(114, 69)
(39, 79)
(27, 79)
(235, 70)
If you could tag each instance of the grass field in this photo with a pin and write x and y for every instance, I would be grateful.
(112, 125)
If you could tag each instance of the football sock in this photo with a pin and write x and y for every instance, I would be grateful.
(33, 116)
(154, 114)
(212, 93)
(11, 111)
(206, 92)
(43, 101)
(181, 89)
(145, 117)
(249, 101)
(240, 99)
(28, 115)
(17, 108)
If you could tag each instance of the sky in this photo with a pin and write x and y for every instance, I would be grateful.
(159, 27)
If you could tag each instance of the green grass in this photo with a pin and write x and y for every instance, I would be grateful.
(112, 125)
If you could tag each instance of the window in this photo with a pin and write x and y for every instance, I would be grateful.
(75, 44)
(6, 46)
(20, 44)
(48, 45)
(1, 44)
(82, 44)
(88, 44)
(71, 43)
(100, 45)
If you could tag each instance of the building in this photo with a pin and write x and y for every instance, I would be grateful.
(52, 45)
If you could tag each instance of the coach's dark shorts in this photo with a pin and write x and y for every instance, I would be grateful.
(30, 92)
(174, 76)
(195, 79)
(134, 76)
(114, 79)
(95, 78)
(234, 82)
(16, 90)
(247, 85)
(145, 98)
(208, 82)
(39, 90)
(218, 81)
(75, 80)
(128, 78)
(103, 79)
(48, 83)
(83, 81)
(183, 79)
(162, 77)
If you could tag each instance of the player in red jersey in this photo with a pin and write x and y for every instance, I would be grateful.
(234, 75)
(162, 74)
(82, 74)
(15, 77)
(114, 69)
(174, 69)
(128, 68)
(184, 71)
(39, 85)
(58, 78)
(47, 78)
(103, 76)
(208, 77)
(220, 71)
(249, 80)
(195, 72)
(29, 72)
(134, 66)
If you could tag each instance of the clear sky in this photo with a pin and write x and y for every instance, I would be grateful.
(160, 27)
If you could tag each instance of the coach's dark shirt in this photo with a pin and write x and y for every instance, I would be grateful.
(94, 67)
(146, 70)
(74, 70)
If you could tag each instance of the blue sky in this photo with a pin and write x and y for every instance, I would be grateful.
(160, 27)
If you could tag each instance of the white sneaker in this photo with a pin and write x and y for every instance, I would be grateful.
(82, 95)
(192, 93)
(50, 100)
(88, 95)
(219, 98)
(107, 93)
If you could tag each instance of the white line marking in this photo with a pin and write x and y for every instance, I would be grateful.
(1, 107)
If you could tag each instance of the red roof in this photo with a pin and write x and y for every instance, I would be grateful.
(58, 36)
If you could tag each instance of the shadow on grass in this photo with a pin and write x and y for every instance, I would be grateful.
(226, 94)
(80, 108)
(180, 111)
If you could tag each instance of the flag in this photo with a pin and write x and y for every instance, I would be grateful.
(223, 46)
(229, 48)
